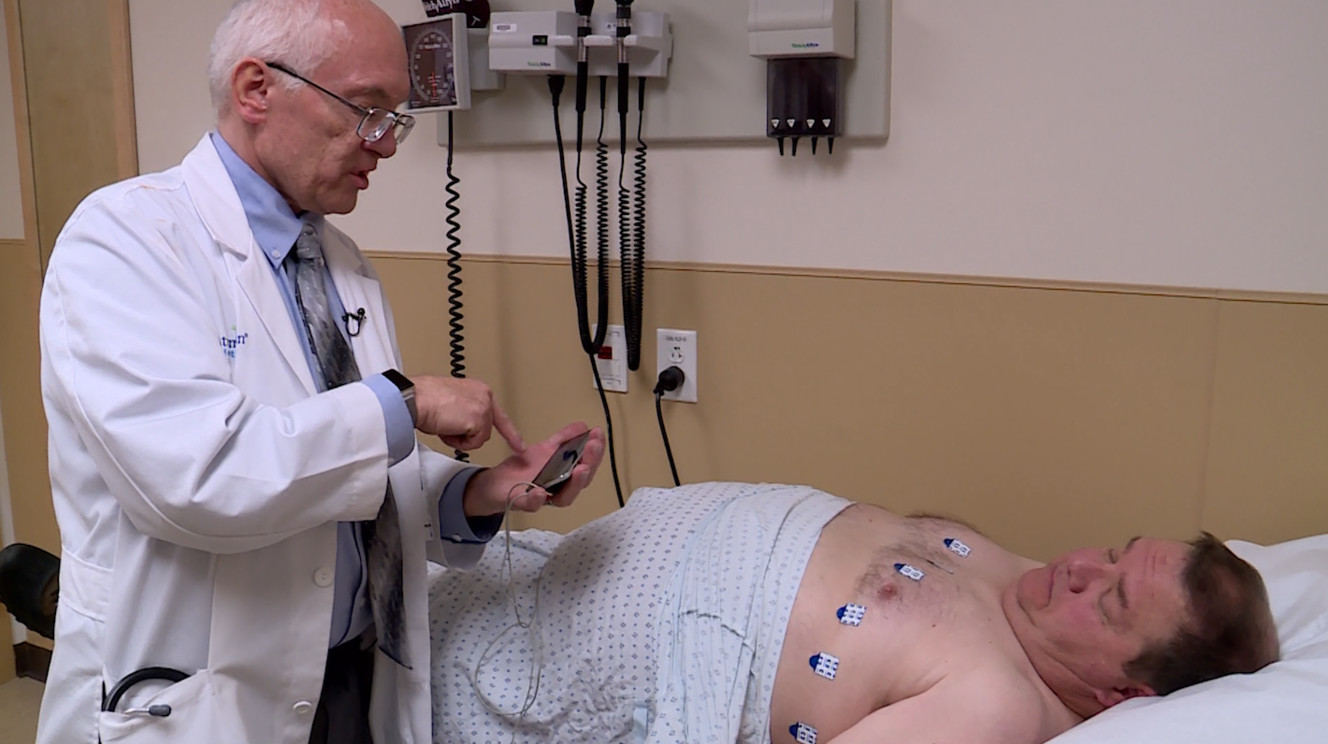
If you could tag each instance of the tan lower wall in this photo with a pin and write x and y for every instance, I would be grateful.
(24, 424)
(20, 396)
(7, 670)
(1267, 474)
(1049, 416)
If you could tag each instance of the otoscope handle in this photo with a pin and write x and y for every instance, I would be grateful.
(624, 74)
(624, 81)
(582, 81)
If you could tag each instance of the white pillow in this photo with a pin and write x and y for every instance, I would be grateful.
(1285, 702)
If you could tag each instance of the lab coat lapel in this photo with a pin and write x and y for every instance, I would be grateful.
(219, 207)
(259, 287)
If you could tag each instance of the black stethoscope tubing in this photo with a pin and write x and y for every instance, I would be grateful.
(109, 702)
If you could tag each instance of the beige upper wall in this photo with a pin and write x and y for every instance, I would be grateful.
(1132, 142)
(11, 196)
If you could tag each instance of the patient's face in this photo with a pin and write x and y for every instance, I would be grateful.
(1089, 612)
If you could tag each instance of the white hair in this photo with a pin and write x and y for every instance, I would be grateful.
(292, 32)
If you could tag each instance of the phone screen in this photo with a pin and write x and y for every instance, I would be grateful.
(559, 467)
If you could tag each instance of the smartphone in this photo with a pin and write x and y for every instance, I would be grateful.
(559, 467)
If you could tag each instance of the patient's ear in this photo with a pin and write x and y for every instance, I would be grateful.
(1116, 695)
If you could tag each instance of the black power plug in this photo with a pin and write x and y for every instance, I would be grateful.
(670, 379)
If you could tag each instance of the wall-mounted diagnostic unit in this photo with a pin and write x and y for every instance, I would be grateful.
(546, 42)
(807, 45)
(708, 63)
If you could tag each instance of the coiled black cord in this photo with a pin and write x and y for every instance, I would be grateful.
(580, 276)
(628, 256)
(602, 183)
(579, 268)
(628, 263)
(457, 346)
(556, 84)
(634, 302)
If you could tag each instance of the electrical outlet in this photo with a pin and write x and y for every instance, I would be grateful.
(612, 359)
(677, 348)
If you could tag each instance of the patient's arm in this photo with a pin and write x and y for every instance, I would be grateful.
(981, 708)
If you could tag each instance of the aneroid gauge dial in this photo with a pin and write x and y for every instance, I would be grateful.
(432, 69)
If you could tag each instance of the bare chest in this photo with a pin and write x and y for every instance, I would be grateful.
(887, 608)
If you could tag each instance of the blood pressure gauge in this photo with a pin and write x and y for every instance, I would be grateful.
(437, 55)
(432, 69)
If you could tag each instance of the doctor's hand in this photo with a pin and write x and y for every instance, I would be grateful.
(487, 492)
(461, 412)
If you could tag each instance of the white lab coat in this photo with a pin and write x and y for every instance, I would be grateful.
(198, 477)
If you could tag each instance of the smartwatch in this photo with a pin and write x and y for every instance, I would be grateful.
(407, 389)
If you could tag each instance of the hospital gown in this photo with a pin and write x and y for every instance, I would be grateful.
(662, 622)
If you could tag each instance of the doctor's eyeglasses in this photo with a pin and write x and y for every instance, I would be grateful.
(375, 122)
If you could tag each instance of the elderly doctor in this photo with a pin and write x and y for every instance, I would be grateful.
(218, 484)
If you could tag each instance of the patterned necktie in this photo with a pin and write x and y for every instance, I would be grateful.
(336, 365)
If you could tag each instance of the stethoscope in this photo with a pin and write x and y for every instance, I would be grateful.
(160, 710)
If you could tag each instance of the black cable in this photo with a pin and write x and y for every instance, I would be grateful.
(556, 84)
(602, 187)
(624, 74)
(575, 239)
(608, 433)
(580, 276)
(664, 434)
(579, 267)
(632, 325)
(457, 346)
(627, 266)
(583, 10)
(671, 378)
(589, 344)
(634, 301)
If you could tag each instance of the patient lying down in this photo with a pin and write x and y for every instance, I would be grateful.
(750, 613)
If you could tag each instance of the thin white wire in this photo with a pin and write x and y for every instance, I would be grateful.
(531, 627)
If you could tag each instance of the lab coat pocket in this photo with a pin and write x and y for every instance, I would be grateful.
(198, 708)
